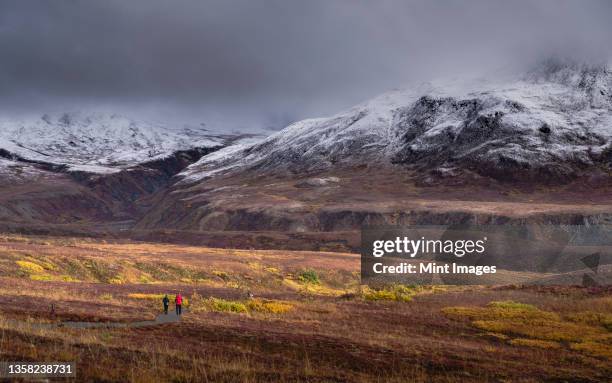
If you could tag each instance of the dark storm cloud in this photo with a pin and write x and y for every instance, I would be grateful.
(271, 61)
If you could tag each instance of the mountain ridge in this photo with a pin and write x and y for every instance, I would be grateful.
(545, 126)
(98, 142)
(533, 148)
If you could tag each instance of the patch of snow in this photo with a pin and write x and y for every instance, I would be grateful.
(97, 142)
(93, 169)
(318, 182)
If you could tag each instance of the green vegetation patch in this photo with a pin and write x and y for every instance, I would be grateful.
(309, 276)
(101, 271)
(40, 270)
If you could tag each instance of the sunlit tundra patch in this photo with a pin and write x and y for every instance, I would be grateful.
(526, 325)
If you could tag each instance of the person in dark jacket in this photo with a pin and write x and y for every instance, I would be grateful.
(178, 302)
(166, 302)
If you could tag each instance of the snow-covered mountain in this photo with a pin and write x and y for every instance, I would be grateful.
(374, 163)
(545, 125)
(97, 142)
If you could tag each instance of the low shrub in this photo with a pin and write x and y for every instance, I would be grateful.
(532, 327)
(535, 343)
(222, 305)
(30, 267)
(592, 318)
(398, 293)
(230, 306)
(594, 348)
(221, 274)
(511, 305)
(309, 276)
(269, 306)
(42, 277)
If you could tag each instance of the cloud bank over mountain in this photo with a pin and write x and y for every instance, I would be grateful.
(245, 64)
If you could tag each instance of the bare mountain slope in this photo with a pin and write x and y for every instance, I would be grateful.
(92, 169)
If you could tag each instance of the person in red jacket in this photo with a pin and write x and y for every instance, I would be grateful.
(178, 302)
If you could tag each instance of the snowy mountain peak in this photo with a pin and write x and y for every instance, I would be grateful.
(594, 80)
(97, 142)
(543, 126)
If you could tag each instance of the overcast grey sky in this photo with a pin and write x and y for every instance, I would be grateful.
(247, 63)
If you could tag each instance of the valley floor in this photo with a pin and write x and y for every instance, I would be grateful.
(308, 320)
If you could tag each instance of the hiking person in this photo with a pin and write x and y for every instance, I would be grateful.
(178, 302)
(166, 302)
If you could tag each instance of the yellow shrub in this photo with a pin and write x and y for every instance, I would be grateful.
(221, 274)
(269, 306)
(398, 293)
(47, 265)
(379, 295)
(538, 328)
(511, 305)
(312, 288)
(41, 277)
(534, 343)
(230, 306)
(147, 296)
(592, 318)
(273, 270)
(594, 348)
(30, 267)
(545, 330)
(503, 310)
(222, 305)
(468, 312)
(496, 336)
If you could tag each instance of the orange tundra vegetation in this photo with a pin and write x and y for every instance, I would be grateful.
(279, 316)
